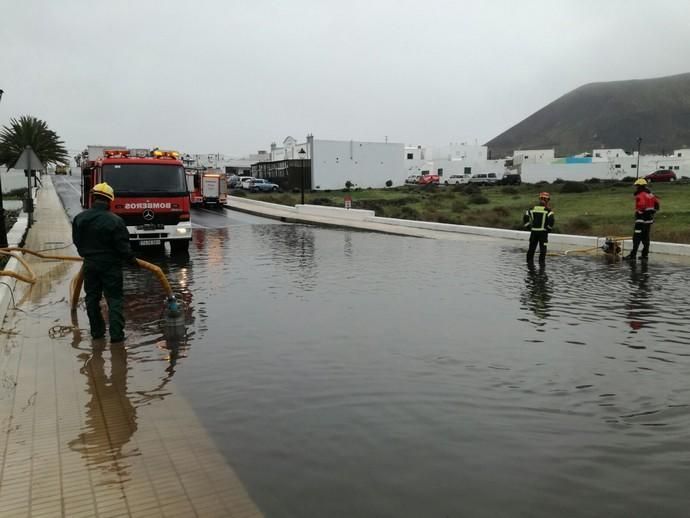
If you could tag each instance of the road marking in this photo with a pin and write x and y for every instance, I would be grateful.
(72, 186)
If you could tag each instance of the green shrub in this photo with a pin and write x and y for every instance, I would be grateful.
(509, 190)
(322, 201)
(577, 225)
(558, 181)
(628, 179)
(471, 188)
(458, 206)
(389, 183)
(593, 180)
(17, 193)
(574, 187)
(407, 212)
(239, 194)
(348, 185)
(453, 219)
(478, 199)
(501, 211)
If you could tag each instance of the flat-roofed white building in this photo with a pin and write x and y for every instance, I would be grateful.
(330, 164)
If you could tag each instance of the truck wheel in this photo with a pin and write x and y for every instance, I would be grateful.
(179, 246)
(275, 189)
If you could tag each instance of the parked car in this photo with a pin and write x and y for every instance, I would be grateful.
(414, 179)
(511, 179)
(243, 181)
(233, 180)
(456, 179)
(662, 175)
(428, 179)
(260, 184)
(484, 178)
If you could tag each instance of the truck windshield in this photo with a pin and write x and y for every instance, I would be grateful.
(145, 179)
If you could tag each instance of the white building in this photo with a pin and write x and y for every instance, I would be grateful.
(333, 163)
(604, 164)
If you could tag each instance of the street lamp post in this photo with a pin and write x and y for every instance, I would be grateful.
(637, 167)
(301, 154)
(3, 230)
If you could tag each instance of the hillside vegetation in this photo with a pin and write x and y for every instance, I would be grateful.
(603, 209)
(607, 115)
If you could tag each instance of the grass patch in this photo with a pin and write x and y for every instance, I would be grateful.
(605, 209)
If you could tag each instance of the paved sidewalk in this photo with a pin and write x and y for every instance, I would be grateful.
(76, 437)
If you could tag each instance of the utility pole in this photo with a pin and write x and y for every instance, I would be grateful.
(637, 168)
(3, 229)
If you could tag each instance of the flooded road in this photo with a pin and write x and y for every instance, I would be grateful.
(356, 374)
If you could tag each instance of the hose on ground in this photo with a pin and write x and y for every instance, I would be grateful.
(78, 281)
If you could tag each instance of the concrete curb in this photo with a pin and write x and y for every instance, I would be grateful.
(367, 220)
(15, 237)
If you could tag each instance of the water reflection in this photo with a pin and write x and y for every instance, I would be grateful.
(111, 417)
(538, 291)
(292, 248)
(640, 306)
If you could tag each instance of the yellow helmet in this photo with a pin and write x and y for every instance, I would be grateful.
(640, 181)
(103, 189)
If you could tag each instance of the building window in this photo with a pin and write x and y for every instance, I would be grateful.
(618, 166)
(676, 167)
(410, 156)
(440, 171)
(680, 154)
(468, 170)
(633, 166)
(526, 157)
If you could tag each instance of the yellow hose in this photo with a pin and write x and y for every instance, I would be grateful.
(159, 274)
(31, 279)
(78, 280)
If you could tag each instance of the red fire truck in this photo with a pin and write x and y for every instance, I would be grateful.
(207, 187)
(150, 192)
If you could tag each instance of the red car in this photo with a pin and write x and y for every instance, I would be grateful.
(662, 175)
(428, 179)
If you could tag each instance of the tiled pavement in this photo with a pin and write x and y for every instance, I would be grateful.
(76, 438)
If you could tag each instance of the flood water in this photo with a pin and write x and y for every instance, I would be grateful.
(356, 374)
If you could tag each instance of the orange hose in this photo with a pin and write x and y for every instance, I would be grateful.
(78, 280)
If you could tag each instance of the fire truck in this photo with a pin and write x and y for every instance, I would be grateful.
(207, 187)
(150, 192)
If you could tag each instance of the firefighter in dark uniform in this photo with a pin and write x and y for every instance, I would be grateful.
(102, 239)
(539, 220)
(646, 205)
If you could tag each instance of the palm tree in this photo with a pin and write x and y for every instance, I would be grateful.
(30, 131)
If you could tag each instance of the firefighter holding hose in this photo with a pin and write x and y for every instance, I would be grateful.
(539, 220)
(102, 239)
(646, 205)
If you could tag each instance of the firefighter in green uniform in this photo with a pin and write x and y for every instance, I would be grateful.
(539, 220)
(102, 239)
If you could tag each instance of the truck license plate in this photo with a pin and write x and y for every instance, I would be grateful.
(150, 242)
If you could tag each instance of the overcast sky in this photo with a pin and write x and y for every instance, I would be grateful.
(233, 76)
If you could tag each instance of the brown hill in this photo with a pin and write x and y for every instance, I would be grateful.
(607, 115)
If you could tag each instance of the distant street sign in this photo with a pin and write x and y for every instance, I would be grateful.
(28, 161)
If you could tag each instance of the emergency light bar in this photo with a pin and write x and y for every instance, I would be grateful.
(116, 153)
(140, 153)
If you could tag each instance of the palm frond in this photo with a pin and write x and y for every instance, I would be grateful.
(31, 131)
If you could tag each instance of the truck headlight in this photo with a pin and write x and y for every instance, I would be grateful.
(181, 230)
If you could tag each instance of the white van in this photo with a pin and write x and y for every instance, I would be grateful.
(484, 178)
(456, 179)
